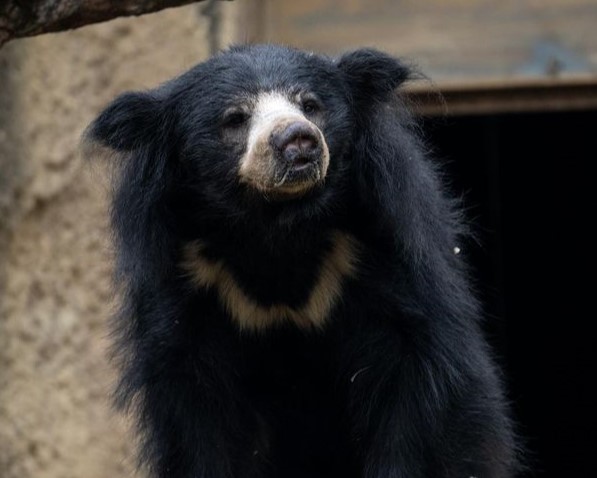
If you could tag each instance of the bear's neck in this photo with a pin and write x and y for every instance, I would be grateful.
(263, 280)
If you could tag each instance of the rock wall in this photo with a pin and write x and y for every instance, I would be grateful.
(55, 258)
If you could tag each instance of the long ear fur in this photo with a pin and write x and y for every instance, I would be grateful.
(135, 126)
(372, 75)
(399, 187)
(128, 123)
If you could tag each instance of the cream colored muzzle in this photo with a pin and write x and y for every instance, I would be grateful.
(286, 153)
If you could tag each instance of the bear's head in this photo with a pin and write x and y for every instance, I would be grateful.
(270, 167)
(253, 127)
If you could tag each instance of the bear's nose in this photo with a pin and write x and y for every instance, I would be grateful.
(297, 143)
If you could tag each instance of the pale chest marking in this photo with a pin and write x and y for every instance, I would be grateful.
(339, 264)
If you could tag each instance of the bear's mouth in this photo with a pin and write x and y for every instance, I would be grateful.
(301, 163)
(298, 178)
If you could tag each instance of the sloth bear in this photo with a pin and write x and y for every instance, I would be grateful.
(293, 303)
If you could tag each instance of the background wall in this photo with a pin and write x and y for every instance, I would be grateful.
(55, 259)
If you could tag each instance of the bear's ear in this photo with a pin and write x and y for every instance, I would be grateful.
(372, 75)
(130, 121)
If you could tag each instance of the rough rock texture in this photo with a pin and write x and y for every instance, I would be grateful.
(55, 258)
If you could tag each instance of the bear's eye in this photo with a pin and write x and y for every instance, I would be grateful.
(310, 106)
(235, 119)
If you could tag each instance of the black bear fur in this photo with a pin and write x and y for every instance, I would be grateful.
(397, 382)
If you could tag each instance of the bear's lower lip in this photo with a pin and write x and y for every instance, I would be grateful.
(299, 166)
(296, 180)
(298, 173)
(301, 162)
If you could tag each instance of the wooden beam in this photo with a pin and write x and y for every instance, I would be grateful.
(504, 97)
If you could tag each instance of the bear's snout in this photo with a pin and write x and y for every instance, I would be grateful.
(286, 155)
(297, 145)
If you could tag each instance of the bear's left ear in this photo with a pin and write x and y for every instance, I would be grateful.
(129, 122)
(372, 75)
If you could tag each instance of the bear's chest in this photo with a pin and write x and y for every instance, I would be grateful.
(300, 290)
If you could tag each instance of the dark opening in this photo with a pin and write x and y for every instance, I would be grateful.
(527, 180)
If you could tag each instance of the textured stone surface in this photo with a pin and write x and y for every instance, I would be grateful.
(55, 258)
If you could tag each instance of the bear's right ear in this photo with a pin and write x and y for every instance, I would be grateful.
(372, 75)
(130, 121)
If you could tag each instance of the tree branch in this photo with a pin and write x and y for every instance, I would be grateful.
(22, 18)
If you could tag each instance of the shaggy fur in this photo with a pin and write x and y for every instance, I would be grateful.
(389, 377)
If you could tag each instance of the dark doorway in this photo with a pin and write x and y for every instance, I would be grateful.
(528, 185)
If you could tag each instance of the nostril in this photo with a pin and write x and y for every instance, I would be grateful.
(301, 144)
(306, 143)
(296, 142)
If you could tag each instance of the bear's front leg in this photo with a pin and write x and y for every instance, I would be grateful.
(194, 418)
(423, 406)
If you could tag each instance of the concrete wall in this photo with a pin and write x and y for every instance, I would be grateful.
(55, 258)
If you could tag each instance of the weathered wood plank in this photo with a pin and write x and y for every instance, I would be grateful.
(504, 97)
(452, 41)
